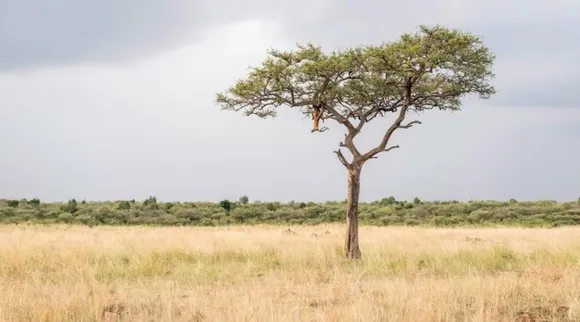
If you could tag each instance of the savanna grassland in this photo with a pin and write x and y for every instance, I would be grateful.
(293, 273)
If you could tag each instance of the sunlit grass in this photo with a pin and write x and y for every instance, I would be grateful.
(64, 273)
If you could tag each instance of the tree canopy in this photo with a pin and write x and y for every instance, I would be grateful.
(432, 68)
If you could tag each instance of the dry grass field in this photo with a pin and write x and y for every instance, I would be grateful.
(68, 273)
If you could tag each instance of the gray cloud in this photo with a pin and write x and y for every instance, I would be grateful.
(148, 127)
(544, 35)
(37, 33)
(536, 62)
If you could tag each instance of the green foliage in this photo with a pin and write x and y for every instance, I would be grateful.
(388, 201)
(189, 204)
(417, 201)
(432, 68)
(244, 200)
(124, 205)
(226, 205)
(70, 207)
(34, 202)
(66, 217)
(151, 202)
(12, 203)
(442, 64)
(394, 213)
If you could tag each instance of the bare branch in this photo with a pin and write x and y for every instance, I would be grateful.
(361, 123)
(409, 125)
(385, 150)
(349, 142)
(341, 158)
(382, 146)
(323, 129)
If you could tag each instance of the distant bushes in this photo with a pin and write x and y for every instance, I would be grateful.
(385, 212)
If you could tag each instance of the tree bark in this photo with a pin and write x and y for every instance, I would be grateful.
(351, 247)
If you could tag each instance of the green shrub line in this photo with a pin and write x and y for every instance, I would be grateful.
(385, 212)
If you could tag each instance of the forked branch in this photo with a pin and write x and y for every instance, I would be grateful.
(349, 143)
(341, 158)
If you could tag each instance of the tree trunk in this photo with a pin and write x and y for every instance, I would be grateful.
(351, 247)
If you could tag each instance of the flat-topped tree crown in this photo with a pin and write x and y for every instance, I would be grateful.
(433, 68)
(439, 65)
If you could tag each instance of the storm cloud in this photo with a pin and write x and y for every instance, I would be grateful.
(112, 100)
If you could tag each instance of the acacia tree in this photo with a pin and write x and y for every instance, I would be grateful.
(433, 68)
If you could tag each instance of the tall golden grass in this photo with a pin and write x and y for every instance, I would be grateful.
(67, 273)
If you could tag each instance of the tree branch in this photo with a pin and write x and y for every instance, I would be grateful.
(352, 131)
(361, 123)
(341, 158)
(337, 116)
(397, 124)
(381, 108)
(349, 142)
(409, 125)
(386, 150)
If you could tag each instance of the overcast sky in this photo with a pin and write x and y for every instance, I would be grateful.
(115, 100)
